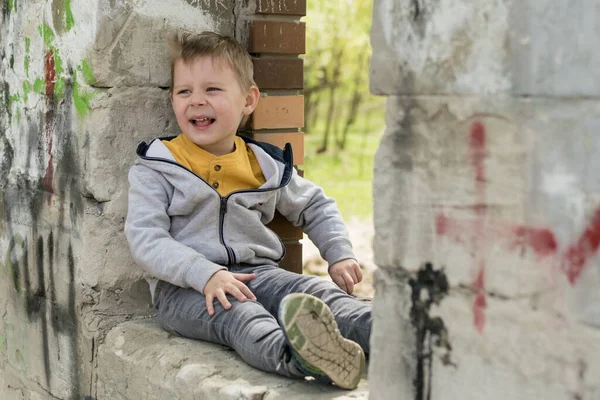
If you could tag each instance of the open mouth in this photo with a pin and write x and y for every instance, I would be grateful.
(200, 122)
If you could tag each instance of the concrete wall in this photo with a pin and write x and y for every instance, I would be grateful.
(488, 167)
(82, 83)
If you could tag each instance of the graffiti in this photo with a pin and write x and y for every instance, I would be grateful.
(429, 287)
(49, 121)
(578, 254)
(39, 214)
(209, 4)
(479, 231)
(39, 301)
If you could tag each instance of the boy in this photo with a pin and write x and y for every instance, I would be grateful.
(198, 205)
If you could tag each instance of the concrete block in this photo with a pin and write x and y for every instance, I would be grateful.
(120, 120)
(427, 170)
(393, 348)
(131, 45)
(553, 48)
(534, 48)
(440, 47)
(527, 351)
(273, 112)
(140, 360)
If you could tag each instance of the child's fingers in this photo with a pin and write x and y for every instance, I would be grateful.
(338, 280)
(246, 291)
(237, 293)
(222, 297)
(349, 282)
(209, 304)
(244, 277)
(358, 272)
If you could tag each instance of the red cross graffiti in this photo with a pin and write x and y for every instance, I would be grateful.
(477, 232)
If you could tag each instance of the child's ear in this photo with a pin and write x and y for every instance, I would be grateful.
(251, 100)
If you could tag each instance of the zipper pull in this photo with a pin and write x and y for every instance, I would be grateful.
(223, 205)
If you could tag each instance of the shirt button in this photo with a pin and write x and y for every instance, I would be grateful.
(217, 167)
(215, 184)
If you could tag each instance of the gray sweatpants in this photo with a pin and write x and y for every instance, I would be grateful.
(251, 327)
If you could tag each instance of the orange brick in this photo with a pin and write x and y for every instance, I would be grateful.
(293, 257)
(284, 228)
(296, 139)
(279, 73)
(277, 37)
(276, 112)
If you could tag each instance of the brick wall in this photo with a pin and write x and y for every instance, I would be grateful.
(275, 37)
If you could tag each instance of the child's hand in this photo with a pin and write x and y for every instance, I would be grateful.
(346, 274)
(223, 283)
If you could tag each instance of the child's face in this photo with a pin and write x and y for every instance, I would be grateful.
(209, 103)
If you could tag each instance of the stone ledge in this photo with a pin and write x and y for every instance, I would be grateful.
(139, 360)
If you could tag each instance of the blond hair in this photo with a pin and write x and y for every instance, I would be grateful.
(188, 47)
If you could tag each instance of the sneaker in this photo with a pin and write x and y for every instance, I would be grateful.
(318, 347)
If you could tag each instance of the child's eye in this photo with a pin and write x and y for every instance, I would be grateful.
(212, 89)
(184, 91)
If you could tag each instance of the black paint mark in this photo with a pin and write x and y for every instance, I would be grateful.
(416, 9)
(428, 288)
(13, 264)
(41, 295)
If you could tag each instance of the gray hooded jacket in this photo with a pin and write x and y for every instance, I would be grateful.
(182, 231)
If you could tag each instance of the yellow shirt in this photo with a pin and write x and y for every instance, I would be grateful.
(237, 170)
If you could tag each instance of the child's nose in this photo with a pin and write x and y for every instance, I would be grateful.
(197, 99)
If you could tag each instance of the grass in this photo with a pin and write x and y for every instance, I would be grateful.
(347, 175)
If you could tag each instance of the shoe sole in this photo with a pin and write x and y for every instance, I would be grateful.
(313, 333)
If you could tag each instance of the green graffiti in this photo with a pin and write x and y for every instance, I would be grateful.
(39, 86)
(88, 73)
(18, 115)
(59, 88)
(70, 20)
(26, 61)
(58, 62)
(12, 5)
(26, 90)
(15, 98)
(11, 61)
(47, 35)
(81, 98)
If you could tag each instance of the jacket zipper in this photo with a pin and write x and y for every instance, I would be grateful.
(223, 206)
(222, 210)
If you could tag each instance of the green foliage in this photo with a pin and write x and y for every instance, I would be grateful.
(339, 108)
(347, 175)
